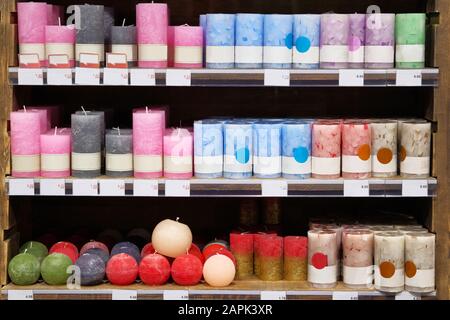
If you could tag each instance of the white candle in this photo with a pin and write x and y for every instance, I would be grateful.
(322, 258)
(419, 262)
(389, 261)
(171, 238)
(358, 257)
(219, 271)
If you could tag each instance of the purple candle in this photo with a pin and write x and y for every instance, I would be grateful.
(380, 40)
(356, 40)
(334, 36)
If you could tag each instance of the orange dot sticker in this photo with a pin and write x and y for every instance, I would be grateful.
(410, 269)
(364, 152)
(319, 260)
(402, 153)
(384, 155)
(387, 269)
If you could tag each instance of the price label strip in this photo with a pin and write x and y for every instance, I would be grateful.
(274, 188)
(414, 188)
(345, 295)
(113, 187)
(52, 187)
(21, 187)
(408, 78)
(124, 295)
(175, 295)
(59, 72)
(20, 295)
(273, 295)
(142, 77)
(277, 78)
(178, 188)
(351, 78)
(356, 188)
(116, 71)
(405, 295)
(85, 187)
(30, 72)
(89, 71)
(178, 77)
(145, 188)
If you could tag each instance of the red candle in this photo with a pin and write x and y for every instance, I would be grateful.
(94, 244)
(147, 249)
(195, 250)
(222, 251)
(67, 248)
(187, 270)
(256, 245)
(122, 269)
(271, 258)
(241, 245)
(295, 258)
(154, 269)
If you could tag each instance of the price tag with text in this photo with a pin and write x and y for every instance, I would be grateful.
(30, 72)
(405, 295)
(178, 77)
(21, 187)
(145, 188)
(415, 188)
(29, 61)
(59, 77)
(87, 76)
(175, 295)
(53, 187)
(116, 60)
(178, 188)
(58, 61)
(274, 188)
(277, 78)
(273, 295)
(408, 78)
(124, 295)
(351, 78)
(115, 77)
(20, 295)
(345, 295)
(142, 77)
(112, 187)
(85, 187)
(356, 188)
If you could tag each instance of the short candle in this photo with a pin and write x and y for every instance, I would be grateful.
(119, 153)
(384, 148)
(208, 149)
(415, 149)
(55, 153)
(326, 149)
(178, 147)
(356, 153)
(322, 258)
(220, 40)
(188, 45)
(123, 41)
(60, 40)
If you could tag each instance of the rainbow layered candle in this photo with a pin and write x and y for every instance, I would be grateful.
(267, 149)
(220, 40)
(278, 41)
(356, 40)
(249, 40)
(271, 258)
(60, 41)
(334, 34)
(188, 43)
(208, 149)
(241, 245)
(238, 149)
(306, 41)
(322, 258)
(55, 153)
(295, 258)
(326, 149)
(379, 50)
(410, 40)
(384, 148)
(356, 153)
(296, 150)
(178, 147)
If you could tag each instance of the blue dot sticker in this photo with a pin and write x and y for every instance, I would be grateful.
(301, 154)
(242, 155)
(302, 44)
(289, 41)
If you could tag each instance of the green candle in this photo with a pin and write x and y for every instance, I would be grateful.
(410, 40)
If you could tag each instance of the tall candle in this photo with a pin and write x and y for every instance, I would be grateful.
(220, 40)
(249, 40)
(278, 41)
(60, 40)
(267, 149)
(326, 149)
(170, 46)
(123, 41)
(108, 23)
(419, 262)
(208, 149)
(334, 34)
(322, 258)
(178, 147)
(119, 153)
(384, 148)
(389, 261)
(410, 40)
(238, 150)
(379, 50)
(296, 149)
(415, 149)
(152, 22)
(356, 40)
(43, 118)
(271, 258)
(104, 116)
(306, 41)
(241, 245)
(358, 258)
(295, 258)
(91, 34)
(356, 153)
(188, 42)
(55, 153)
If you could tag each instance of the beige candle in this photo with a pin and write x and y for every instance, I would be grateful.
(419, 262)
(322, 258)
(415, 149)
(384, 148)
(389, 261)
(358, 258)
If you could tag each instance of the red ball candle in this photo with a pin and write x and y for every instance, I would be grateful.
(67, 248)
(94, 245)
(295, 258)
(223, 251)
(154, 269)
(187, 270)
(241, 245)
(212, 247)
(195, 250)
(147, 249)
(271, 258)
(122, 269)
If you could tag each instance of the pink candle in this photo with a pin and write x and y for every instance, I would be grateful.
(55, 153)
(356, 153)
(152, 22)
(60, 40)
(326, 149)
(43, 118)
(25, 143)
(171, 45)
(54, 14)
(147, 143)
(178, 146)
(32, 19)
(164, 109)
(188, 47)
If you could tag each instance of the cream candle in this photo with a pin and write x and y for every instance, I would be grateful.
(322, 258)
(60, 40)
(384, 148)
(358, 258)
(178, 148)
(55, 153)
(171, 238)
(119, 153)
(415, 149)
(356, 154)
(389, 261)
(326, 149)
(188, 42)
(419, 262)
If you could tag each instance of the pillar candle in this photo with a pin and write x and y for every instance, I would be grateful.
(356, 153)
(334, 34)
(306, 41)
(389, 261)
(410, 40)
(208, 149)
(238, 150)
(278, 41)
(248, 212)
(147, 143)
(326, 149)
(271, 258)
(322, 258)
(415, 149)
(267, 149)
(25, 143)
(55, 153)
(170, 46)
(296, 150)
(32, 19)
(202, 23)
(123, 41)
(220, 41)
(419, 262)
(152, 21)
(60, 40)
(271, 211)
(358, 258)
(54, 14)
(295, 258)
(91, 34)
(384, 148)
(188, 43)
(249, 40)
(44, 123)
(178, 145)
(379, 50)
(52, 115)
(108, 23)
(356, 40)
(104, 115)
(241, 245)
(338, 229)
(119, 153)
(164, 110)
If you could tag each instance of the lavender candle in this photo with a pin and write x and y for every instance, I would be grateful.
(356, 40)
(334, 35)
(379, 50)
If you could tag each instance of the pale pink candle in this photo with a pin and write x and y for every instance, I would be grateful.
(152, 22)
(188, 47)
(25, 143)
(43, 118)
(55, 153)
(171, 45)
(356, 153)
(60, 40)
(54, 14)
(32, 19)
(178, 146)
(164, 109)
(326, 149)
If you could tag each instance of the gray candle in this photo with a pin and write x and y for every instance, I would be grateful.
(91, 34)
(124, 41)
(119, 153)
(108, 22)
(102, 123)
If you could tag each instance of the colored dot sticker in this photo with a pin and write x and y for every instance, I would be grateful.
(354, 43)
(301, 154)
(402, 153)
(384, 155)
(242, 155)
(364, 152)
(302, 44)
(289, 41)
(387, 269)
(410, 269)
(319, 260)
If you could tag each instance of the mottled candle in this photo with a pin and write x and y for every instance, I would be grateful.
(241, 245)
(119, 152)
(60, 40)
(91, 34)
(322, 258)
(238, 149)
(306, 41)
(249, 40)
(419, 262)
(220, 40)
(178, 147)
(334, 34)
(379, 50)
(188, 42)
(55, 153)
(415, 149)
(296, 149)
(295, 258)
(267, 149)
(356, 153)
(278, 41)
(326, 149)
(356, 40)
(43, 118)
(123, 41)
(208, 149)
(384, 148)
(271, 258)
(389, 261)
(410, 40)
(108, 23)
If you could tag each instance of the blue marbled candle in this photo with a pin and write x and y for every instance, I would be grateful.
(238, 149)
(267, 149)
(306, 41)
(296, 149)
(249, 40)
(278, 41)
(202, 24)
(220, 39)
(208, 149)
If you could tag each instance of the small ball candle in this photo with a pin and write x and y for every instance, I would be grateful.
(334, 34)
(278, 41)
(241, 245)
(60, 40)
(326, 149)
(384, 148)
(238, 150)
(379, 50)
(178, 147)
(295, 258)
(67, 248)
(267, 149)
(147, 249)
(271, 258)
(208, 149)
(219, 271)
(171, 238)
(119, 153)
(154, 270)
(296, 150)
(124, 41)
(306, 41)
(24, 269)
(54, 269)
(410, 40)
(220, 40)
(187, 270)
(356, 40)
(90, 37)
(127, 247)
(188, 43)
(415, 149)
(92, 269)
(92, 245)
(356, 153)
(419, 262)
(322, 258)
(249, 40)
(122, 269)
(55, 153)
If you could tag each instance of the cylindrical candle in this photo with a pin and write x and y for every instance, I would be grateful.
(389, 261)
(379, 50)
(419, 262)
(220, 40)
(188, 42)
(356, 154)
(326, 149)
(278, 41)
(60, 40)
(358, 258)
(103, 117)
(152, 21)
(271, 258)
(208, 149)
(91, 34)
(322, 258)
(306, 41)
(238, 149)
(334, 34)
(178, 145)
(123, 41)
(295, 258)
(248, 212)
(296, 149)
(410, 40)
(267, 149)
(356, 40)
(119, 153)
(241, 245)
(249, 40)
(43, 118)
(55, 153)
(415, 149)
(271, 211)
(384, 148)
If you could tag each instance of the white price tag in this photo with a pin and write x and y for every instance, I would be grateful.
(30, 77)
(274, 188)
(124, 295)
(178, 77)
(356, 188)
(112, 187)
(178, 188)
(21, 187)
(142, 77)
(405, 295)
(115, 77)
(58, 61)
(29, 60)
(85, 187)
(87, 76)
(53, 187)
(351, 78)
(273, 295)
(277, 77)
(345, 295)
(116, 60)
(59, 77)
(175, 295)
(408, 78)
(20, 295)
(415, 188)
(145, 188)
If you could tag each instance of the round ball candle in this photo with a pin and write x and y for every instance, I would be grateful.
(119, 153)
(178, 147)
(152, 22)
(208, 149)
(306, 41)
(384, 148)
(267, 149)
(220, 41)
(127, 247)
(92, 269)
(195, 250)
(67, 248)
(238, 143)
(419, 262)
(241, 245)
(55, 153)
(295, 258)
(326, 149)
(147, 249)
(379, 50)
(124, 41)
(188, 45)
(249, 40)
(187, 270)
(54, 269)
(90, 37)
(415, 149)
(24, 269)
(171, 238)
(104, 255)
(219, 271)
(92, 245)
(60, 40)
(356, 40)
(334, 35)
(122, 269)
(410, 40)
(278, 41)
(358, 258)
(322, 258)
(35, 248)
(25, 143)
(271, 258)
(356, 153)
(154, 270)
(296, 150)
(389, 261)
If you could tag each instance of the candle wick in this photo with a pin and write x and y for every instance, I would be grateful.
(118, 129)
(178, 218)
(186, 25)
(123, 23)
(59, 21)
(56, 130)
(146, 109)
(85, 113)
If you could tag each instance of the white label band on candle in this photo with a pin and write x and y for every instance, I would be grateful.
(326, 165)
(232, 165)
(356, 56)
(130, 50)
(358, 275)
(322, 276)
(25, 163)
(415, 165)
(422, 279)
(266, 165)
(86, 161)
(354, 164)
(147, 163)
(55, 162)
(219, 54)
(379, 167)
(177, 164)
(334, 53)
(119, 162)
(206, 165)
(310, 56)
(410, 53)
(152, 52)
(33, 48)
(98, 49)
(249, 54)
(60, 48)
(291, 166)
(397, 280)
(379, 54)
(275, 54)
(188, 54)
